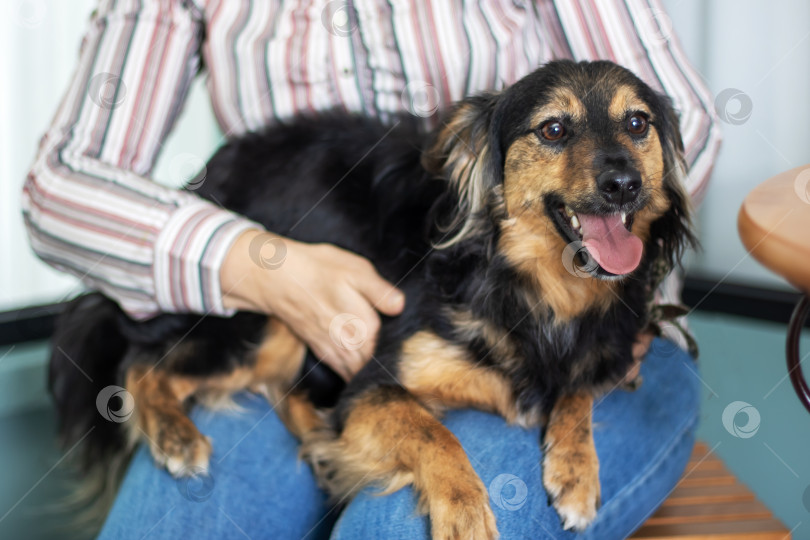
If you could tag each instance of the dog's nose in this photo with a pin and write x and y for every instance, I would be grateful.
(619, 187)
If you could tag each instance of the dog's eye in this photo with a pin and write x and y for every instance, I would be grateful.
(637, 124)
(552, 130)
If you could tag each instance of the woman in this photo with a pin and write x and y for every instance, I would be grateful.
(92, 210)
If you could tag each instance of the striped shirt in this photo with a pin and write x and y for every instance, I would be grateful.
(91, 208)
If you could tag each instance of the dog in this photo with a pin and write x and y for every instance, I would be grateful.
(527, 232)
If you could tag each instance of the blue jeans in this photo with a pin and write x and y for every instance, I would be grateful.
(258, 488)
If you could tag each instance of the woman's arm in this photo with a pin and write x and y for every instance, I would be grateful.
(92, 210)
(89, 204)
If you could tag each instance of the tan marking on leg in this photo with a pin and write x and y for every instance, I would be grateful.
(277, 362)
(570, 466)
(281, 354)
(442, 374)
(390, 440)
(300, 415)
(173, 439)
(159, 396)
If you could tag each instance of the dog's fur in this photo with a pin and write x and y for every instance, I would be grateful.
(469, 223)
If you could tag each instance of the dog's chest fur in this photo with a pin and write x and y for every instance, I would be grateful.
(504, 324)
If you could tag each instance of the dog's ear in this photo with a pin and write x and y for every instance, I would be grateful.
(464, 153)
(674, 228)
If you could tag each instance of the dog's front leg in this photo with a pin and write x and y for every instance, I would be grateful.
(570, 465)
(390, 440)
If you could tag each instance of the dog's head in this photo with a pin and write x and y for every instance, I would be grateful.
(576, 160)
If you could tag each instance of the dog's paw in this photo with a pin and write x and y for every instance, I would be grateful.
(571, 479)
(577, 508)
(462, 510)
(176, 443)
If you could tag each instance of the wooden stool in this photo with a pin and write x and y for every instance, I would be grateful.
(774, 223)
(710, 504)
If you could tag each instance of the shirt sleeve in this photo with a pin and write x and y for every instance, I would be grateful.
(89, 205)
(638, 35)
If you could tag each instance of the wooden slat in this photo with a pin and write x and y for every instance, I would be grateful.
(710, 504)
(709, 494)
(704, 513)
(697, 481)
(760, 529)
(707, 478)
(711, 464)
(699, 451)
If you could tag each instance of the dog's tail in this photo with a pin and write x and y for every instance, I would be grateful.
(88, 348)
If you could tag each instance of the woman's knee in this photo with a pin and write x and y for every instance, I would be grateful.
(642, 438)
(255, 484)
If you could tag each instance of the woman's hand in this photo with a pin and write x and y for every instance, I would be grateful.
(328, 296)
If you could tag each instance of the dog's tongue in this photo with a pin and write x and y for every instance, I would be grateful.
(616, 249)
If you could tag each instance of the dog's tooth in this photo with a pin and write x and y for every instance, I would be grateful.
(624, 218)
(568, 211)
(574, 222)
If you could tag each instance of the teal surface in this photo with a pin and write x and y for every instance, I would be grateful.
(744, 361)
(34, 486)
(23, 378)
(742, 369)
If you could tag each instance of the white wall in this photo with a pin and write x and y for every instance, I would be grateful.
(760, 48)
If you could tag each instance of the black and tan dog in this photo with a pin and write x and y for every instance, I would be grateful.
(524, 231)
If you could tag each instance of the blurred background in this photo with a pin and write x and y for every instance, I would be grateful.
(754, 57)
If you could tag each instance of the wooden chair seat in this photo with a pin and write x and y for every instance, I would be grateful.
(709, 503)
(773, 224)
